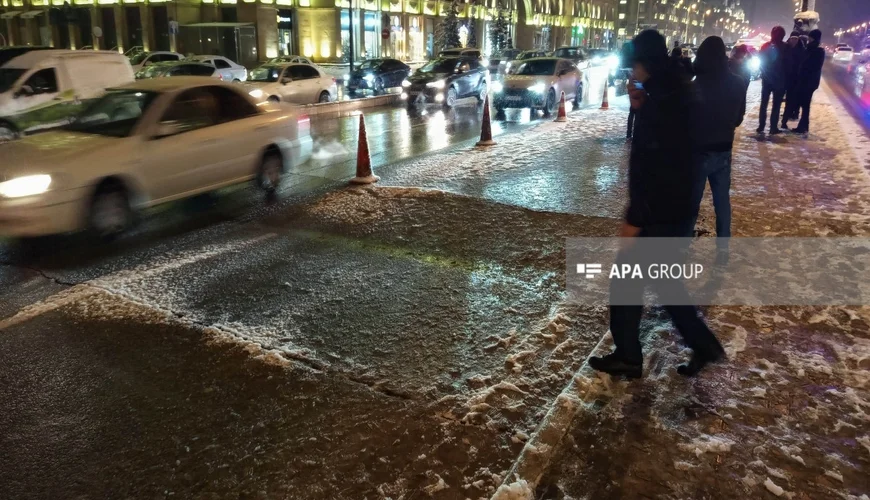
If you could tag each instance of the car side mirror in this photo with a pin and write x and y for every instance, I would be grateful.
(25, 90)
(285, 80)
(166, 129)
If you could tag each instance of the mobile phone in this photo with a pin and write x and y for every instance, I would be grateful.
(638, 85)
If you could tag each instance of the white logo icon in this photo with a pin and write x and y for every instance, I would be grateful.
(590, 270)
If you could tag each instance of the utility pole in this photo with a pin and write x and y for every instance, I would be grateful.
(350, 34)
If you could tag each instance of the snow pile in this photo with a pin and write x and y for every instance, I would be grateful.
(518, 490)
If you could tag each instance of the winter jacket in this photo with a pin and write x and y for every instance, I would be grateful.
(739, 68)
(810, 75)
(794, 56)
(774, 64)
(660, 176)
(719, 104)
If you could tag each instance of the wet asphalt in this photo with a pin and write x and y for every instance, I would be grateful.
(335, 344)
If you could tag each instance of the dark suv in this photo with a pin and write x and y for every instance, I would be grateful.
(446, 80)
(377, 75)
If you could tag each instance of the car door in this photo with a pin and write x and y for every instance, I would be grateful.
(463, 83)
(567, 79)
(224, 69)
(38, 101)
(292, 85)
(311, 83)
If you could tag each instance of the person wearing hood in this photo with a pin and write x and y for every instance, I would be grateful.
(809, 78)
(719, 109)
(660, 205)
(795, 53)
(773, 79)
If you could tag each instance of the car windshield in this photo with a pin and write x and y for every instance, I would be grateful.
(372, 64)
(527, 55)
(139, 58)
(152, 71)
(439, 66)
(845, 49)
(538, 67)
(114, 115)
(569, 53)
(265, 74)
(8, 77)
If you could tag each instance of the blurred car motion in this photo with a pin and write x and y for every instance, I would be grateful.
(522, 56)
(499, 61)
(577, 55)
(844, 54)
(227, 70)
(446, 80)
(290, 59)
(538, 84)
(377, 75)
(46, 88)
(177, 68)
(143, 144)
(293, 83)
(142, 59)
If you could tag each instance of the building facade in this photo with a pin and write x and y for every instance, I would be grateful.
(324, 30)
(682, 21)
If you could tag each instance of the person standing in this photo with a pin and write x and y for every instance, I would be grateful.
(809, 78)
(794, 56)
(773, 76)
(660, 186)
(719, 109)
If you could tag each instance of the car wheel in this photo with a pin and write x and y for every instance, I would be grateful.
(450, 98)
(236, 80)
(7, 133)
(550, 104)
(324, 97)
(578, 95)
(111, 214)
(274, 98)
(270, 173)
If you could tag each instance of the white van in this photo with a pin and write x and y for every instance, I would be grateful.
(46, 88)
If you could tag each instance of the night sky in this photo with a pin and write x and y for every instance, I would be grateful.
(834, 13)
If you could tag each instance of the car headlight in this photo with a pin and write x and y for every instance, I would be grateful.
(613, 62)
(406, 83)
(538, 88)
(484, 61)
(256, 93)
(437, 84)
(755, 63)
(25, 186)
(369, 78)
(496, 87)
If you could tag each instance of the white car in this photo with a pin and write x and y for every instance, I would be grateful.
(844, 54)
(228, 70)
(143, 59)
(290, 59)
(177, 68)
(143, 144)
(538, 84)
(293, 83)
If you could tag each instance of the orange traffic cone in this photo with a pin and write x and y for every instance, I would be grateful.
(563, 115)
(364, 173)
(486, 126)
(604, 103)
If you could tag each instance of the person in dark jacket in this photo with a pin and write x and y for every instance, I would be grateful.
(660, 188)
(795, 52)
(679, 58)
(773, 78)
(739, 63)
(719, 109)
(809, 78)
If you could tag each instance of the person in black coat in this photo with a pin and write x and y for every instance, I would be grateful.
(809, 78)
(795, 53)
(773, 79)
(660, 187)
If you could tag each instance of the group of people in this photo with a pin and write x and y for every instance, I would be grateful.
(791, 71)
(682, 138)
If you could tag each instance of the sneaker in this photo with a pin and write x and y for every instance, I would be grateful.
(699, 361)
(799, 131)
(759, 131)
(775, 131)
(616, 366)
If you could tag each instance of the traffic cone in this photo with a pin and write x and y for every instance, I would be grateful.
(486, 126)
(364, 173)
(562, 116)
(604, 103)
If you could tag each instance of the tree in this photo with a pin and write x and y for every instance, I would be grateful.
(499, 31)
(447, 34)
(472, 36)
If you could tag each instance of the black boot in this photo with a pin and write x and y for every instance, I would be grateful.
(616, 366)
(700, 360)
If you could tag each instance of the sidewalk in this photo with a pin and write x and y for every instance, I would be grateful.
(788, 415)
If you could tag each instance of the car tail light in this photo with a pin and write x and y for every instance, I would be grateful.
(303, 124)
(220, 77)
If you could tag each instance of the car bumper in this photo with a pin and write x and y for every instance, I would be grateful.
(518, 99)
(297, 152)
(51, 213)
(423, 95)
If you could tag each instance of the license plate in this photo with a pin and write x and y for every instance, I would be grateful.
(513, 98)
(414, 92)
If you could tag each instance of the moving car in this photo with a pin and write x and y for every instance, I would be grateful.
(460, 52)
(9, 53)
(577, 55)
(522, 56)
(290, 59)
(143, 144)
(293, 83)
(228, 70)
(143, 59)
(844, 54)
(45, 88)
(177, 68)
(538, 84)
(498, 62)
(446, 80)
(378, 75)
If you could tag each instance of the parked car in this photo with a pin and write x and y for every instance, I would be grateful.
(499, 61)
(226, 69)
(290, 59)
(445, 80)
(577, 55)
(538, 84)
(293, 83)
(377, 75)
(9, 53)
(461, 52)
(177, 68)
(46, 88)
(522, 56)
(143, 59)
(844, 54)
(141, 145)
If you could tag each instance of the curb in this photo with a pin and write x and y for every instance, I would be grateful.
(350, 106)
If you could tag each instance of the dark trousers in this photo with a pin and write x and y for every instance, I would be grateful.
(630, 123)
(806, 99)
(625, 319)
(792, 104)
(778, 94)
